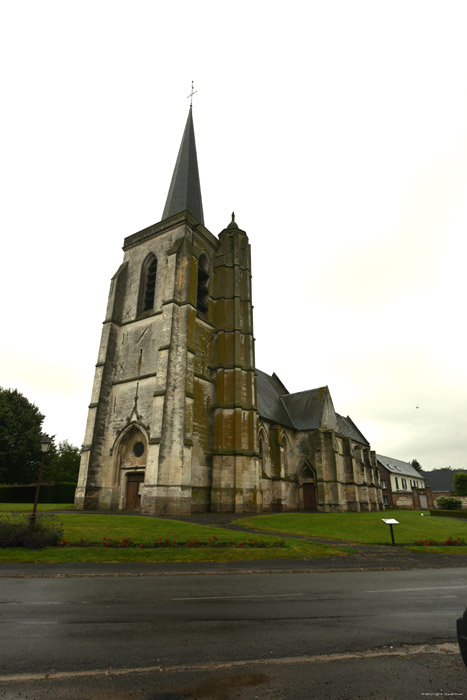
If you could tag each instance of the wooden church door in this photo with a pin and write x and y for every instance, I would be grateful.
(133, 491)
(309, 497)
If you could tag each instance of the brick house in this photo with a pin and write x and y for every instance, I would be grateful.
(402, 485)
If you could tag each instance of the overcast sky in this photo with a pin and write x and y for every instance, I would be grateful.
(336, 131)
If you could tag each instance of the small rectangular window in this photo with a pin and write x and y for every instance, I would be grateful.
(404, 483)
(383, 484)
(397, 483)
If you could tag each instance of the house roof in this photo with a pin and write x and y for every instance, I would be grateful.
(396, 466)
(441, 479)
(185, 189)
(303, 410)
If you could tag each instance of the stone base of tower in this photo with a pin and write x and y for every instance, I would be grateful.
(97, 498)
(245, 496)
(235, 501)
(166, 500)
(80, 498)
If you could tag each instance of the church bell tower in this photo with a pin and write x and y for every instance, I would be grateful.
(173, 420)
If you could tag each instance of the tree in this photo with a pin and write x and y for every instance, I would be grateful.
(460, 484)
(64, 464)
(416, 465)
(20, 435)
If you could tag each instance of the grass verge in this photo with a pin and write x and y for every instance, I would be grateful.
(146, 531)
(27, 507)
(365, 528)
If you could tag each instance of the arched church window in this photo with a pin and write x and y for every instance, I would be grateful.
(149, 284)
(202, 296)
(285, 456)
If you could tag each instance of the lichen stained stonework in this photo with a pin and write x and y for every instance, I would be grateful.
(181, 420)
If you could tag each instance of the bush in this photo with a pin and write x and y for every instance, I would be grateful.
(14, 531)
(449, 513)
(448, 503)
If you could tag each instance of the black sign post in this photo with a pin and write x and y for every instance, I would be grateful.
(391, 522)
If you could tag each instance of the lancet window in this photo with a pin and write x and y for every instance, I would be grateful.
(202, 297)
(149, 284)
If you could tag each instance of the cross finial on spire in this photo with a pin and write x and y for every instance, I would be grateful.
(191, 94)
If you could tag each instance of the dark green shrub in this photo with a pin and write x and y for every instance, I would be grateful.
(449, 513)
(448, 503)
(61, 492)
(14, 531)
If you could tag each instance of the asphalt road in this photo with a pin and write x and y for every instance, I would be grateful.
(233, 636)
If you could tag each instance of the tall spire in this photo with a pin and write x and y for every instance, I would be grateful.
(185, 190)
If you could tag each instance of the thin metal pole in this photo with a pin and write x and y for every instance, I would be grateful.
(392, 535)
(32, 520)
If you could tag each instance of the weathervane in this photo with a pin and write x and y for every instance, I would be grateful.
(191, 94)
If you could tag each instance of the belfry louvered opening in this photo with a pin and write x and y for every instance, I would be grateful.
(203, 284)
(150, 285)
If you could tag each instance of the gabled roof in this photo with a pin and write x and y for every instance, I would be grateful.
(185, 189)
(346, 427)
(304, 410)
(270, 406)
(396, 466)
(307, 408)
(441, 479)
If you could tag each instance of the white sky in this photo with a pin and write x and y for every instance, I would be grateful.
(336, 131)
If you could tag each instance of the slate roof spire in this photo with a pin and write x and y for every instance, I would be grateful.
(185, 190)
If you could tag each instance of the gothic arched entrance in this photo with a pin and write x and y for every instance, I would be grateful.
(134, 482)
(133, 454)
(308, 483)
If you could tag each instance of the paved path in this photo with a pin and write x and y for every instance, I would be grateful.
(367, 556)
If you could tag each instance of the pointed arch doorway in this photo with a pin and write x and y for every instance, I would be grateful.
(133, 455)
(134, 482)
(309, 497)
(308, 483)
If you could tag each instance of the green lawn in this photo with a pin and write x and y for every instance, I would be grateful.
(27, 507)
(146, 531)
(366, 528)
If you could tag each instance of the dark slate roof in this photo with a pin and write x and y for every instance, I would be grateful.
(185, 190)
(441, 479)
(396, 466)
(269, 392)
(347, 428)
(304, 410)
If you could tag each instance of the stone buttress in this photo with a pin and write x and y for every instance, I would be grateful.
(236, 468)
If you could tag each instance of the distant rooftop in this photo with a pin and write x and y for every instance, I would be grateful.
(396, 466)
(441, 479)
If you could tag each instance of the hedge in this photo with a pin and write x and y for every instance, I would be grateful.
(61, 492)
(449, 513)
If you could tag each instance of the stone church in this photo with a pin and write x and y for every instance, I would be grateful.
(181, 421)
